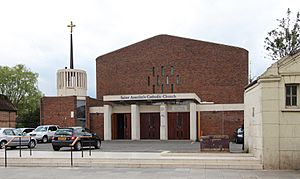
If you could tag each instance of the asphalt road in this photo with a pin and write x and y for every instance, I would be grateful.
(137, 173)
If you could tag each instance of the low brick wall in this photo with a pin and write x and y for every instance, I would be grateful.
(214, 142)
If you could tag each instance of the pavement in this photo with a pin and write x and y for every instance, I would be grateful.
(145, 173)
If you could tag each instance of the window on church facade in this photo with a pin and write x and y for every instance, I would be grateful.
(162, 88)
(172, 70)
(167, 80)
(148, 80)
(153, 71)
(177, 80)
(162, 71)
(157, 80)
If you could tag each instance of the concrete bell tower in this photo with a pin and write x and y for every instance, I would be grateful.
(71, 82)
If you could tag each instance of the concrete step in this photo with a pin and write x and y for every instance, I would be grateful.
(206, 161)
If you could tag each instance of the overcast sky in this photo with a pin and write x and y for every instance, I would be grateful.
(35, 33)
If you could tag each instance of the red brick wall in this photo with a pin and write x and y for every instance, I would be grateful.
(57, 111)
(97, 124)
(215, 72)
(220, 123)
(90, 102)
(8, 119)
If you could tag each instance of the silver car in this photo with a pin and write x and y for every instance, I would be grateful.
(44, 133)
(6, 134)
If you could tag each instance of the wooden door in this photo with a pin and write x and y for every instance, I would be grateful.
(179, 125)
(121, 126)
(127, 126)
(150, 125)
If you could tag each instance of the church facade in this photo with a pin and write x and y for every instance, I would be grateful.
(163, 88)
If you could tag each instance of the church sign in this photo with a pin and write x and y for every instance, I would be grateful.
(147, 97)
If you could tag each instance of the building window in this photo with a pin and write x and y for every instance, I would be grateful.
(177, 80)
(291, 95)
(148, 80)
(153, 71)
(162, 88)
(162, 71)
(172, 88)
(172, 70)
(167, 80)
(153, 88)
(157, 80)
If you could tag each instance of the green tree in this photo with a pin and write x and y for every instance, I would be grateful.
(285, 39)
(19, 84)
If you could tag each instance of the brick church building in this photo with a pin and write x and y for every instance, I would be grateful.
(163, 88)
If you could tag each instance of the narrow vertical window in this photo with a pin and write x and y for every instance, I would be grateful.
(157, 80)
(153, 88)
(167, 80)
(291, 95)
(148, 80)
(162, 88)
(153, 71)
(172, 88)
(177, 80)
(162, 71)
(172, 70)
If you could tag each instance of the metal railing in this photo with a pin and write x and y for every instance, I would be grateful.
(19, 145)
(8, 144)
(77, 140)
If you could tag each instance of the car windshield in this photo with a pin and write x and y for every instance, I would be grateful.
(64, 132)
(41, 129)
(18, 131)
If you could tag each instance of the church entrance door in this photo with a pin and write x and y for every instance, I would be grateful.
(178, 125)
(150, 125)
(121, 126)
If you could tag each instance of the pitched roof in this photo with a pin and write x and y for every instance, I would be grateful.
(5, 104)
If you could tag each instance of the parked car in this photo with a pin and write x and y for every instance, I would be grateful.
(44, 133)
(66, 136)
(6, 134)
(239, 135)
(23, 131)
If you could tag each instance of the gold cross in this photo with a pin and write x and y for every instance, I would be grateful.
(71, 26)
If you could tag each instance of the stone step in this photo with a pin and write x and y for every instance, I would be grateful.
(156, 163)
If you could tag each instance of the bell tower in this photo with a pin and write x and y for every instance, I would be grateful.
(71, 82)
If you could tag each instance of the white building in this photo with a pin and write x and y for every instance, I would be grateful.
(272, 115)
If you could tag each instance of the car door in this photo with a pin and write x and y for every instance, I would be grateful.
(87, 140)
(51, 131)
(9, 134)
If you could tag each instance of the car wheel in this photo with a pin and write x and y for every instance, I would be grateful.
(98, 144)
(2, 144)
(31, 144)
(77, 146)
(55, 148)
(45, 139)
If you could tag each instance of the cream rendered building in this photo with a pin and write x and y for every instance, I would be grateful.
(272, 115)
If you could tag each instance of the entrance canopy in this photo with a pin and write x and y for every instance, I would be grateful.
(152, 97)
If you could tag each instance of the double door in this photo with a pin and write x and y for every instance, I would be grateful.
(150, 125)
(121, 126)
(178, 125)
